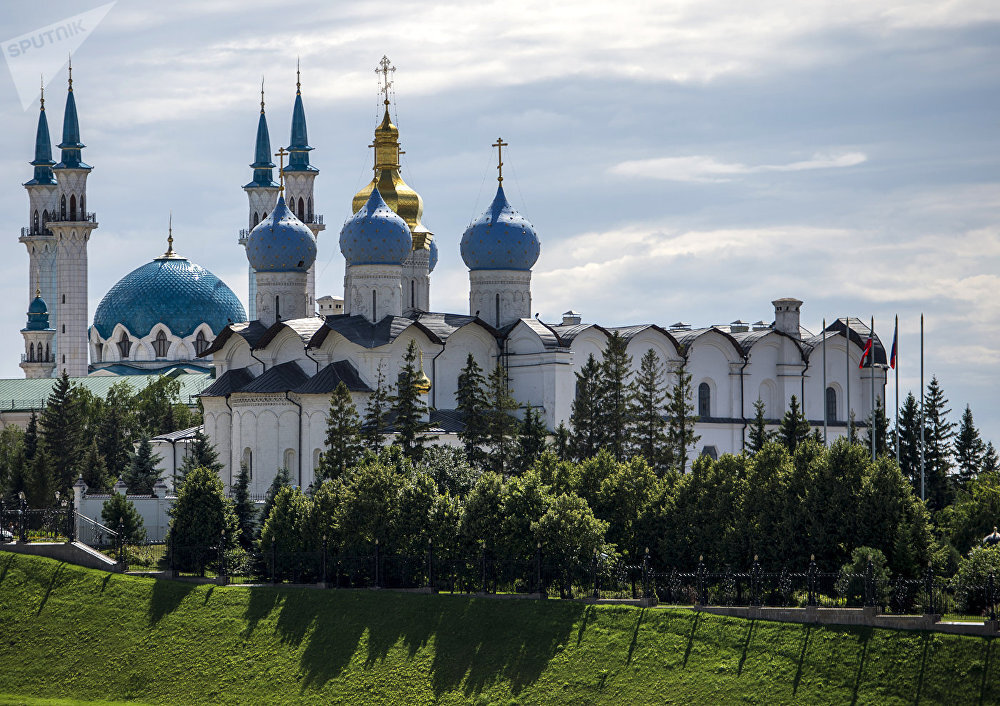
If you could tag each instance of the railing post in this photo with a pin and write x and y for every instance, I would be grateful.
(870, 584)
(593, 572)
(430, 564)
(991, 597)
(274, 560)
(700, 581)
(323, 562)
(811, 580)
(377, 584)
(24, 517)
(122, 553)
(929, 589)
(645, 575)
(223, 569)
(71, 519)
(755, 592)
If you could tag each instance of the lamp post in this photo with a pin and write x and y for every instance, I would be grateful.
(23, 517)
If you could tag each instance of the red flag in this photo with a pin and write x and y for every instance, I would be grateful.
(895, 342)
(867, 351)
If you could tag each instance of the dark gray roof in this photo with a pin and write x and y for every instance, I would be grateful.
(443, 325)
(281, 378)
(360, 331)
(326, 380)
(630, 332)
(566, 334)
(446, 421)
(687, 337)
(250, 332)
(229, 382)
(304, 328)
(547, 333)
(188, 433)
(859, 331)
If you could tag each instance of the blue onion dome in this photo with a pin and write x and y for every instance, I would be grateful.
(433, 261)
(173, 291)
(502, 239)
(375, 235)
(38, 314)
(281, 242)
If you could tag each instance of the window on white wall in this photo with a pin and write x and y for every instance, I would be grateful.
(247, 461)
(160, 345)
(704, 400)
(831, 405)
(316, 455)
(289, 461)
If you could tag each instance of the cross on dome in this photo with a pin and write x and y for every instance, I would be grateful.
(385, 68)
(500, 144)
(280, 154)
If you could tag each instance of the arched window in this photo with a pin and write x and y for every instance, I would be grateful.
(124, 345)
(45, 218)
(98, 353)
(72, 207)
(83, 207)
(309, 209)
(200, 343)
(263, 215)
(48, 358)
(63, 298)
(34, 222)
(277, 308)
(247, 461)
(374, 302)
(289, 460)
(256, 218)
(31, 352)
(302, 210)
(413, 294)
(317, 453)
(497, 306)
(62, 206)
(161, 345)
(704, 401)
(831, 405)
(64, 328)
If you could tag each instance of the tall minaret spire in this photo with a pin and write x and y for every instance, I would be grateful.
(300, 176)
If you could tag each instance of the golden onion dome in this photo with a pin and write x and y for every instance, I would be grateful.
(396, 193)
(422, 383)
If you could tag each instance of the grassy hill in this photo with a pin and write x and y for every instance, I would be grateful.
(76, 634)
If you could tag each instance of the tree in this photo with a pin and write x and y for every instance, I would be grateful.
(937, 450)
(560, 445)
(200, 453)
(470, 400)
(343, 436)
(587, 436)
(623, 501)
(759, 434)
(376, 414)
(648, 425)
(93, 470)
(909, 440)
(60, 424)
(159, 410)
(450, 469)
(283, 534)
(243, 507)
(39, 484)
(282, 479)
(142, 473)
(969, 449)
(120, 515)
(117, 428)
(531, 439)
(878, 422)
(794, 428)
(681, 419)
(11, 459)
(501, 424)
(570, 534)
(617, 408)
(409, 407)
(201, 519)
(991, 464)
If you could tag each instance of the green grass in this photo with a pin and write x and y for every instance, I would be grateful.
(71, 633)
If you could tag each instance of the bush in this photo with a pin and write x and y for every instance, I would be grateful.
(851, 579)
(973, 577)
(119, 514)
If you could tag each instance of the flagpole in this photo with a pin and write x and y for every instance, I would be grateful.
(847, 354)
(895, 353)
(826, 409)
(873, 427)
(923, 492)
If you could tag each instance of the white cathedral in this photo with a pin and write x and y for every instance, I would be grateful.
(268, 377)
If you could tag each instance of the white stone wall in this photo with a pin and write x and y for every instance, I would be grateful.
(511, 288)
(71, 321)
(360, 281)
(290, 290)
(417, 280)
(154, 512)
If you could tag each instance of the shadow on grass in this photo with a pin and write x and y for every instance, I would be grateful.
(807, 630)
(477, 642)
(165, 598)
(690, 644)
(6, 566)
(987, 655)
(865, 638)
(635, 635)
(746, 646)
(48, 589)
(926, 639)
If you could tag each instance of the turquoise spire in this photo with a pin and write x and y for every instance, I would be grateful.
(43, 149)
(298, 159)
(71, 145)
(262, 164)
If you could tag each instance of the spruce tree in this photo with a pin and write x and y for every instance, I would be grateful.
(39, 485)
(616, 409)
(409, 407)
(991, 464)
(343, 436)
(969, 450)
(587, 435)
(880, 423)
(117, 428)
(200, 453)
(759, 435)
(142, 473)
(377, 412)
(501, 424)
(11, 460)
(282, 479)
(471, 403)
(31, 438)
(909, 441)
(94, 471)
(244, 507)
(60, 427)
(794, 428)
(560, 445)
(681, 419)
(119, 514)
(938, 440)
(649, 435)
(531, 439)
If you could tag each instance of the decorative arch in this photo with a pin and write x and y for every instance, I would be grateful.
(124, 345)
(72, 207)
(768, 393)
(62, 206)
(161, 345)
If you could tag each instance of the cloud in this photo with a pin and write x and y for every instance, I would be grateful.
(702, 168)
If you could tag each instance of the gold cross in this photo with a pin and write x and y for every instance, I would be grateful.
(385, 69)
(499, 144)
(280, 154)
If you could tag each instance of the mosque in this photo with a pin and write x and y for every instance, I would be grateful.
(265, 379)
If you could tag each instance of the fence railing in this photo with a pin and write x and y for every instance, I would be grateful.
(24, 524)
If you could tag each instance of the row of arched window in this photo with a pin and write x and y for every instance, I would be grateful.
(303, 210)
(67, 211)
(161, 345)
(42, 355)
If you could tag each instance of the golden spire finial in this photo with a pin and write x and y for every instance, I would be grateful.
(500, 144)
(170, 235)
(262, 94)
(280, 154)
(38, 293)
(70, 73)
(43, 93)
(298, 78)
(385, 68)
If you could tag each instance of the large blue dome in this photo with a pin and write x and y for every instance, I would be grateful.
(502, 239)
(281, 242)
(169, 290)
(375, 235)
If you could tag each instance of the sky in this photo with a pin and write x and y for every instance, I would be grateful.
(681, 161)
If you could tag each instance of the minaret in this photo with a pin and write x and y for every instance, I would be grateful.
(71, 226)
(500, 249)
(403, 200)
(262, 192)
(299, 178)
(37, 360)
(42, 199)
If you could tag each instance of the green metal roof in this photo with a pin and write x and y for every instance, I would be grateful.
(24, 395)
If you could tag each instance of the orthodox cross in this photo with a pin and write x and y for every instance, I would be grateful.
(280, 154)
(261, 95)
(385, 68)
(499, 144)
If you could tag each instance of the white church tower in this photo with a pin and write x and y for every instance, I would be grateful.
(500, 249)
